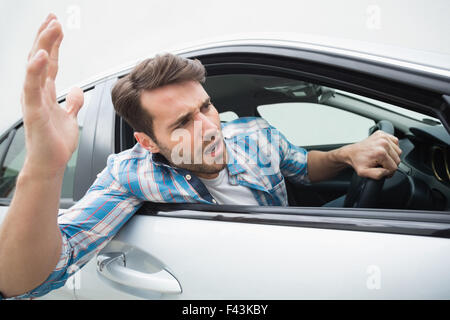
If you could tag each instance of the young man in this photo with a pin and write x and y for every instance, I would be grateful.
(183, 154)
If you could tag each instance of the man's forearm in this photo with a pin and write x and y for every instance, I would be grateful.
(375, 157)
(30, 239)
(325, 165)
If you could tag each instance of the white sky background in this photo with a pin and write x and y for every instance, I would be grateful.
(102, 34)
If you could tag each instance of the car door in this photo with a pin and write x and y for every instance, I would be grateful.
(184, 253)
(194, 251)
(12, 156)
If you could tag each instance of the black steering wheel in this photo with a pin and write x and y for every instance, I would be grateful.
(365, 192)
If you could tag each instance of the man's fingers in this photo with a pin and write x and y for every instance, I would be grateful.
(392, 150)
(394, 154)
(384, 157)
(394, 143)
(394, 139)
(44, 25)
(43, 62)
(36, 71)
(50, 91)
(54, 57)
(389, 164)
(397, 149)
(74, 101)
(374, 173)
(381, 156)
(48, 37)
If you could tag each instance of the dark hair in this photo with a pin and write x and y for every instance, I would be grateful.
(147, 75)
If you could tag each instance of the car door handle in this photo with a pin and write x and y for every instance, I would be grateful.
(113, 266)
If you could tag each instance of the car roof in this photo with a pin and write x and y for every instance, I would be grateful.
(426, 60)
(433, 63)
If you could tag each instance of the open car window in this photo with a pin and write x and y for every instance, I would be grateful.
(319, 117)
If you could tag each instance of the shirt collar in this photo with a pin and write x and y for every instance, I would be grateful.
(159, 159)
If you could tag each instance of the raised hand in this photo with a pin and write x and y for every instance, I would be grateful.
(29, 233)
(51, 132)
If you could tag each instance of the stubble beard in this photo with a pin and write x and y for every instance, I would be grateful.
(195, 168)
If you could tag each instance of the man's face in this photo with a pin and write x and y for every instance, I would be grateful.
(187, 128)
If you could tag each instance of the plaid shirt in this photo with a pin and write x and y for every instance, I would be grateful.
(259, 157)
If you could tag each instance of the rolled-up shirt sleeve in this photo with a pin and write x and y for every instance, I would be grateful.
(88, 226)
(293, 159)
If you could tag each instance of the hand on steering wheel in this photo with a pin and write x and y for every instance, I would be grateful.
(367, 181)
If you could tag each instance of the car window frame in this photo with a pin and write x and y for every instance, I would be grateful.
(9, 135)
(97, 139)
(217, 63)
(392, 221)
(7, 138)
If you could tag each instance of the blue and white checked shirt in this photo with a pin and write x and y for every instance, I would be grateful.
(260, 157)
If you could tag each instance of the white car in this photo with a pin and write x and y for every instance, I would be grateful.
(320, 97)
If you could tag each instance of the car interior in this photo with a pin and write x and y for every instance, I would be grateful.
(422, 181)
(315, 117)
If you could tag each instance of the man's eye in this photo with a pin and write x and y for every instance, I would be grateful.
(183, 123)
(206, 107)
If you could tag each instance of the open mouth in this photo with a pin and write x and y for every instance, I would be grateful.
(214, 148)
